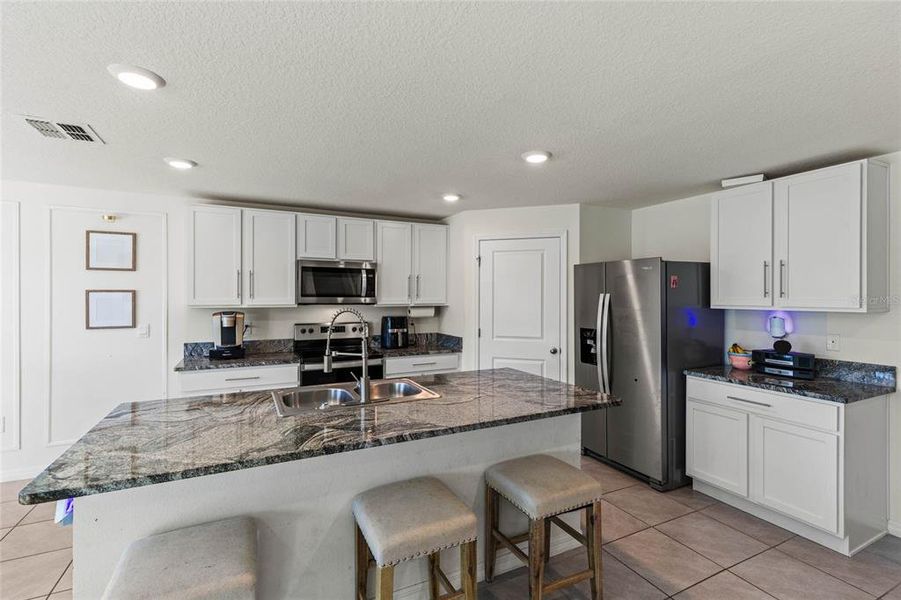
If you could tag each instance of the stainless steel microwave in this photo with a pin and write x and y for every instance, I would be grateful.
(335, 282)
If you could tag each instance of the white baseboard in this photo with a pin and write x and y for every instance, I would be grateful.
(505, 562)
(894, 528)
(21, 473)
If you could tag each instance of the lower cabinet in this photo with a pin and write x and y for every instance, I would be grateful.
(239, 379)
(425, 364)
(716, 447)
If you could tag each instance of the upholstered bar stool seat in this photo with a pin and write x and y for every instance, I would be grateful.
(544, 487)
(212, 560)
(412, 519)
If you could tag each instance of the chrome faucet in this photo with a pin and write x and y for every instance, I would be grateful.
(363, 381)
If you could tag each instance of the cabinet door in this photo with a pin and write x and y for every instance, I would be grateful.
(269, 239)
(316, 236)
(716, 446)
(214, 256)
(394, 258)
(429, 264)
(794, 470)
(818, 239)
(741, 252)
(356, 239)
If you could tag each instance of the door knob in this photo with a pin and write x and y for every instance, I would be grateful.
(554, 351)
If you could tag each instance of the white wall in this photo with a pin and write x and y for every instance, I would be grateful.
(681, 230)
(185, 324)
(605, 233)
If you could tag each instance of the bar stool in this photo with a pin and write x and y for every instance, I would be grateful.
(411, 519)
(210, 561)
(544, 488)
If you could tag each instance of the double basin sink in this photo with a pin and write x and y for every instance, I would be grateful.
(339, 395)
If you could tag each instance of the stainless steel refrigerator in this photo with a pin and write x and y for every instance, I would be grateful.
(639, 323)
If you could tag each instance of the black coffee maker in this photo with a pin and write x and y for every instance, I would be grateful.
(395, 332)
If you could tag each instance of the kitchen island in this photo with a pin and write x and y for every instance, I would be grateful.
(155, 466)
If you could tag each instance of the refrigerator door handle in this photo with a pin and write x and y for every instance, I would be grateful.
(602, 333)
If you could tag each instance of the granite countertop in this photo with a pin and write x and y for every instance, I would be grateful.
(822, 388)
(143, 443)
(262, 359)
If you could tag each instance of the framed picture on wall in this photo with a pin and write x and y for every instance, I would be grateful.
(109, 309)
(110, 251)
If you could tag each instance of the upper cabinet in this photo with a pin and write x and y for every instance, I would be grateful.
(316, 236)
(812, 241)
(412, 263)
(356, 239)
(214, 256)
(269, 264)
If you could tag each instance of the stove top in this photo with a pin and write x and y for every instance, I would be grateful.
(310, 340)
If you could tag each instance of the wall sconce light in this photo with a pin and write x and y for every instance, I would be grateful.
(779, 324)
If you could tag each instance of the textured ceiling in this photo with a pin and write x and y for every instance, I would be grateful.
(381, 107)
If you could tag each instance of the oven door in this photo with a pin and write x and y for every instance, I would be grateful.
(335, 282)
(341, 372)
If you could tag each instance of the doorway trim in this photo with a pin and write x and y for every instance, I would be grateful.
(562, 238)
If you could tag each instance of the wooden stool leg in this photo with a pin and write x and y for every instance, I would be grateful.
(536, 558)
(595, 551)
(434, 565)
(361, 564)
(384, 583)
(491, 523)
(547, 541)
(468, 564)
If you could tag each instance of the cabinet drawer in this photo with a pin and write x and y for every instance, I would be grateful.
(794, 409)
(428, 363)
(239, 379)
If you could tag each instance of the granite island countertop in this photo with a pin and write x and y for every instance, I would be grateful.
(143, 443)
(842, 391)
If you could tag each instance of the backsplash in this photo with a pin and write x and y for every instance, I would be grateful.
(425, 340)
(422, 340)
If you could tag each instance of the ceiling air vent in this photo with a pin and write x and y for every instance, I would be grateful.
(64, 131)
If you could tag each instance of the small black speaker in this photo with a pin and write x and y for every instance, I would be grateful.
(782, 346)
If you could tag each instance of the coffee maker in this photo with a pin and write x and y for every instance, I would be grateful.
(395, 332)
(228, 335)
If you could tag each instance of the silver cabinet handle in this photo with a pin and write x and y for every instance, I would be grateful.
(418, 286)
(766, 291)
(750, 401)
(242, 378)
(410, 287)
(781, 278)
(251, 284)
(238, 286)
(424, 364)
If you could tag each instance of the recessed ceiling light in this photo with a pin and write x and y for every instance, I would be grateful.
(536, 157)
(180, 163)
(451, 197)
(136, 77)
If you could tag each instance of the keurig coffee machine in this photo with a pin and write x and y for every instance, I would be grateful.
(228, 335)
(395, 333)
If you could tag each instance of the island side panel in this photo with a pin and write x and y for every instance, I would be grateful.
(303, 508)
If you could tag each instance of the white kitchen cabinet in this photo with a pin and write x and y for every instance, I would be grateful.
(269, 264)
(742, 247)
(795, 471)
(716, 448)
(426, 364)
(828, 241)
(214, 256)
(317, 236)
(356, 239)
(394, 257)
(429, 264)
(239, 379)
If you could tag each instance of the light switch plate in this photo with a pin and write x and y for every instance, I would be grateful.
(833, 342)
(144, 331)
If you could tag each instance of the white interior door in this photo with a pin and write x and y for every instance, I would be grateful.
(520, 308)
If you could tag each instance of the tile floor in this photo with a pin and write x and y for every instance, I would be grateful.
(681, 545)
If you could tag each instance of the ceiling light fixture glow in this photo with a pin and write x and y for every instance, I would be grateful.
(451, 197)
(182, 164)
(536, 157)
(136, 77)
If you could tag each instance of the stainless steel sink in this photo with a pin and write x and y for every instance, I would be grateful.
(340, 395)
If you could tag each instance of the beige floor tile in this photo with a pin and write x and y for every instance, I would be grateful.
(718, 542)
(621, 582)
(40, 512)
(617, 523)
(4, 531)
(664, 562)
(609, 478)
(895, 594)
(723, 585)
(888, 547)
(782, 576)
(9, 490)
(12, 512)
(644, 503)
(869, 572)
(690, 498)
(33, 576)
(64, 595)
(748, 524)
(25, 540)
(65, 582)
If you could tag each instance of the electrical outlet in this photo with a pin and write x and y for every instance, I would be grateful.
(833, 342)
